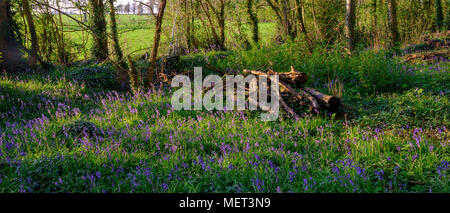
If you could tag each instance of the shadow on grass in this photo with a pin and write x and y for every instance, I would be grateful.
(20, 103)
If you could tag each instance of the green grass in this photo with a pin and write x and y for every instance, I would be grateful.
(137, 33)
(395, 139)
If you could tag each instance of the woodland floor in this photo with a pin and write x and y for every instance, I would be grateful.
(74, 129)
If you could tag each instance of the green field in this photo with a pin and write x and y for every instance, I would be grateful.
(137, 32)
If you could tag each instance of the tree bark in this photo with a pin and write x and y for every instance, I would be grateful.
(219, 39)
(315, 105)
(374, 19)
(187, 21)
(253, 20)
(302, 25)
(350, 25)
(330, 102)
(221, 20)
(115, 35)
(9, 47)
(392, 21)
(34, 39)
(439, 15)
(99, 49)
(133, 74)
(158, 29)
(313, 12)
(276, 10)
(286, 22)
(293, 77)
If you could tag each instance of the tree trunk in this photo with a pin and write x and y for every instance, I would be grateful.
(313, 12)
(302, 24)
(9, 47)
(350, 25)
(253, 20)
(187, 21)
(287, 26)
(115, 35)
(221, 20)
(281, 13)
(374, 20)
(34, 39)
(159, 20)
(394, 38)
(99, 49)
(276, 10)
(439, 15)
(133, 74)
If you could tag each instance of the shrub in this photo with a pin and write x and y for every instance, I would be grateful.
(94, 76)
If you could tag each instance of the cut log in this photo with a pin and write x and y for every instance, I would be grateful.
(330, 102)
(312, 99)
(293, 77)
(289, 89)
(288, 82)
(314, 103)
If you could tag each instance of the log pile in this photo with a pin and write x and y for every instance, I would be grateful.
(436, 43)
(428, 57)
(294, 93)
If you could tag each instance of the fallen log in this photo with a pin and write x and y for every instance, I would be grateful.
(312, 99)
(314, 103)
(293, 77)
(330, 102)
(436, 43)
(288, 81)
